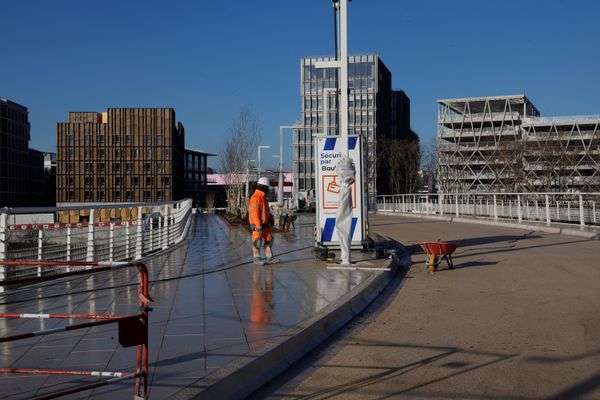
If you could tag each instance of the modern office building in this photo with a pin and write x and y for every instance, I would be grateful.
(370, 104)
(195, 176)
(502, 144)
(121, 155)
(21, 168)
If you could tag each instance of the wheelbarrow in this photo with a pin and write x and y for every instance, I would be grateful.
(435, 251)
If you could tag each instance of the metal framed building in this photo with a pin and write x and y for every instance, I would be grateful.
(502, 144)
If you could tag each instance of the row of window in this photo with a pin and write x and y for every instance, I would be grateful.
(118, 181)
(116, 139)
(358, 101)
(117, 153)
(116, 167)
(128, 195)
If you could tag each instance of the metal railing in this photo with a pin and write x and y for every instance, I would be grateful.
(581, 209)
(106, 233)
(132, 328)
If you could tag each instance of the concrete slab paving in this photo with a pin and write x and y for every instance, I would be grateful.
(212, 307)
(517, 319)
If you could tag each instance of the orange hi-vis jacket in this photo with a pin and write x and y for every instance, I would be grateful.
(258, 209)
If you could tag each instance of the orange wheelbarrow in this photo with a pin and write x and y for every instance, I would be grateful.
(435, 251)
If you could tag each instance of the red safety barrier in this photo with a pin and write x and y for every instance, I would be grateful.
(133, 328)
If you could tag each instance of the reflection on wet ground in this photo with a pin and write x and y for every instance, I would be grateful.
(212, 306)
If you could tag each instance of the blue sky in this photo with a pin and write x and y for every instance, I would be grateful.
(207, 59)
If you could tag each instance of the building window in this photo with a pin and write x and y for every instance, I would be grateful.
(158, 167)
(87, 181)
(101, 167)
(69, 139)
(116, 167)
(134, 181)
(159, 139)
(88, 195)
(70, 153)
(116, 139)
(87, 139)
(88, 167)
(69, 181)
(127, 139)
(116, 195)
(118, 181)
(101, 195)
(147, 139)
(100, 181)
(69, 167)
(128, 167)
(129, 195)
(159, 195)
(87, 153)
(146, 195)
(166, 181)
(71, 195)
(149, 181)
(100, 153)
(101, 139)
(149, 153)
(135, 153)
(117, 153)
(166, 153)
(147, 167)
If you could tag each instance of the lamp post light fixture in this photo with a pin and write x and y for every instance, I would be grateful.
(259, 149)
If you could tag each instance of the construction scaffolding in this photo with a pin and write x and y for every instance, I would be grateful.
(501, 144)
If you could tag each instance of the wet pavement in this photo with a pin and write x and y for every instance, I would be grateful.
(212, 306)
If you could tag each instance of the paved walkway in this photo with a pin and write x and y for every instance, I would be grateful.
(519, 318)
(212, 306)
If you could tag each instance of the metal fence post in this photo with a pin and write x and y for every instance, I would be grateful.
(3, 246)
(163, 234)
(127, 242)
(495, 208)
(547, 210)
(456, 204)
(111, 241)
(40, 255)
(90, 240)
(441, 203)
(581, 211)
(68, 245)
(519, 215)
(138, 241)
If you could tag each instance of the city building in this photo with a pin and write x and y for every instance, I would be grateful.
(21, 168)
(503, 144)
(195, 176)
(121, 155)
(371, 106)
(50, 179)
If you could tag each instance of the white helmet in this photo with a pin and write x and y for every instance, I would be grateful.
(264, 181)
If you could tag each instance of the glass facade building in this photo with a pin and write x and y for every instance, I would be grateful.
(21, 168)
(369, 114)
(195, 180)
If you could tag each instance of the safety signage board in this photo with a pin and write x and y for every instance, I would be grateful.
(328, 154)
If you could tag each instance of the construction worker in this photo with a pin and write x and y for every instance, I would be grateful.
(261, 222)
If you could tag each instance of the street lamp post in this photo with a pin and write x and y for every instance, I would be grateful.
(259, 149)
(280, 183)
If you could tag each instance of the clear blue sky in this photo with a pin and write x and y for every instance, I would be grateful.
(206, 59)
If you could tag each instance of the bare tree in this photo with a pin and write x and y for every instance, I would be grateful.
(400, 161)
(238, 147)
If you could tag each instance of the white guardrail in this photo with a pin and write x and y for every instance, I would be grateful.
(570, 208)
(106, 232)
